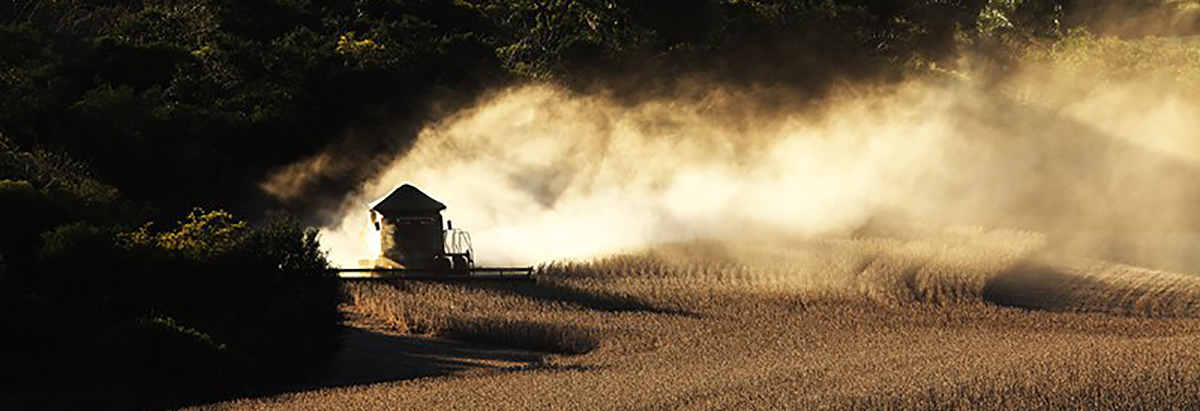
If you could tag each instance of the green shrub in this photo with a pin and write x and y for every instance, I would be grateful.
(81, 266)
(162, 348)
(201, 236)
(286, 293)
(204, 309)
(19, 232)
(263, 290)
(56, 175)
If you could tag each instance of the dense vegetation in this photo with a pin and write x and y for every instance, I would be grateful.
(103, 312)
(100, 313)
(189, 103)
(116, 113)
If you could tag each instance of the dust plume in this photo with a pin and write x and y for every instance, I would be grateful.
(539, 173)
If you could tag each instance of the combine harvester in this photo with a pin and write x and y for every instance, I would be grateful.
(415, 246)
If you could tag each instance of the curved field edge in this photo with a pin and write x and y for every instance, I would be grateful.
(579, 305)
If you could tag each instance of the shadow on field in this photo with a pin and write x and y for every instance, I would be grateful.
(369, 357)
(1142, 293)
(1037, 287)
(589, 299)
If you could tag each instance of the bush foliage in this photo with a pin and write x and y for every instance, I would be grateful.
(210, 307)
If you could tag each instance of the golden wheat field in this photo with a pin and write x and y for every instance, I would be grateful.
(921, 318)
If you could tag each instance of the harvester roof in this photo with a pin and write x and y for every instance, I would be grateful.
(407, 199)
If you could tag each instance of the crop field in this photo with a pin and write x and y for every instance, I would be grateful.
(918, 318)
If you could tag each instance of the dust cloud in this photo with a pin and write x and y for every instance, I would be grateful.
(538, 173)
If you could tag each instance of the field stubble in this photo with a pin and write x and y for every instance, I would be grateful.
(947, 318)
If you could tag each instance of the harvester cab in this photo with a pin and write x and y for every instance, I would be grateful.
(414, 244)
